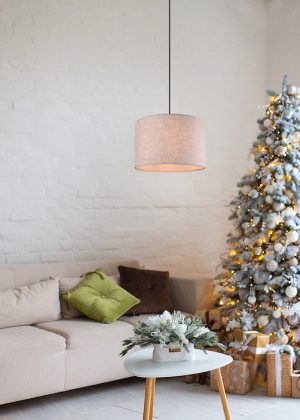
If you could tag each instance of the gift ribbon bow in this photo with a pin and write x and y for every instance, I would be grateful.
(245, 345)
(278, 349)
(241, 346)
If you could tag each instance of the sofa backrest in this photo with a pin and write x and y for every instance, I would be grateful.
(14, 276)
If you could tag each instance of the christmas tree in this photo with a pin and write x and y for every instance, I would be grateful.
(261, 277)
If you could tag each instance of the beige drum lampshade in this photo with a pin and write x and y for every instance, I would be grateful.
(169, 143)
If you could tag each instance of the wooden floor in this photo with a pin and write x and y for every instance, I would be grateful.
(175, 400)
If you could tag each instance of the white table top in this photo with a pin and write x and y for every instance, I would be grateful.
(140, 364)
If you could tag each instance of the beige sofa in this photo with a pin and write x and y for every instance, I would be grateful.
(61, 355)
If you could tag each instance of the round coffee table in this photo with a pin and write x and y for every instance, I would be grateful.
(140, 364)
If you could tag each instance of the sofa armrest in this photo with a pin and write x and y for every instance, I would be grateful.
(191, 294)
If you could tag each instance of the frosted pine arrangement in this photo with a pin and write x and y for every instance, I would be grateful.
(262, 265)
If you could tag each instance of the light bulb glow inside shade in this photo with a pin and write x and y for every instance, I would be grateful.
(169, 143)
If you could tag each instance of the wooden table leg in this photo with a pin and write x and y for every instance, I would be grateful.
(149, 399)
(152, 398)
(222, 394)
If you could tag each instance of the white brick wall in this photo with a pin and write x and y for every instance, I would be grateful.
(283, 37)
(74, 77)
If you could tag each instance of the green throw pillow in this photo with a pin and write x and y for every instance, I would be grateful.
(99, 298)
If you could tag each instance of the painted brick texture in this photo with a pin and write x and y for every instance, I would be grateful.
(74, 77)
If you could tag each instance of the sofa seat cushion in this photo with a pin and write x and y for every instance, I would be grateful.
(32, 363)
(29, 336)
(93, 350)
(82, 332)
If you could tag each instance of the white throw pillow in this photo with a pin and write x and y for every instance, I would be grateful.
(30, 304)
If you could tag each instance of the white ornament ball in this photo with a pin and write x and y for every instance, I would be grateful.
(269, 140)
(268, 123)
(271, 223)
(272, 265)
(284, 339)
(292, 236)
(263, 320)
(288, 167)
(278, 247)
(257, 250)
(236, 233)
(287, 311)
(276, 313)
(251, 300)
(291, 291)
(278, 206)
(291, 90)
(269, 199)
(281, 150)
(246, 225)
(246, 189)
(293, 319)
(293, 261)
(247, 241)
(289, 212)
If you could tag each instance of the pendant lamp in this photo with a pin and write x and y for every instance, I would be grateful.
(169, 142)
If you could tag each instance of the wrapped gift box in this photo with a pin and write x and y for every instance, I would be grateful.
(279, 371)
(238, 377)
(296, 384)
(255, 344)
(218, 316)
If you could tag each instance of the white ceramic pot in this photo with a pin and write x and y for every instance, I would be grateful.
(168, 353)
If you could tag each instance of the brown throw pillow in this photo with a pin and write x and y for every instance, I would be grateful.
(151, 287)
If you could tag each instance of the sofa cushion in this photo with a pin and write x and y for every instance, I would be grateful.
(30, 304)
(32, 363)
(65, 285)
(82, 332)
(99, 298)
(93, 350)
(150, 286)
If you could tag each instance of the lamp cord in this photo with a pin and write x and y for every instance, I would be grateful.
(169, 56)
